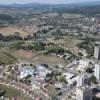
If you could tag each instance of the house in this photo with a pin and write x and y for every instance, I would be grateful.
(70, 77)
(26, 71)
(41, 71)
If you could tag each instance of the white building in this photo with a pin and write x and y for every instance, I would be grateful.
(84, 93)
(97, 96)
(97, 71)
(41, 71)
(83, 64)
(97, 51)
(83, 51)
(83, 80)
(26, 71)
(70, 77)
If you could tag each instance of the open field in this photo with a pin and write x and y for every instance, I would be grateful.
(11, 31)
(25, 54)
(48, 60)
(68, 42)
(6, 58)
(40, 58)
(67, 15)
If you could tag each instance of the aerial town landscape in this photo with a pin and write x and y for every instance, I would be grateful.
(50, 51)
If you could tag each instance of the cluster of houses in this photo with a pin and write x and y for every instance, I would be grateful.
(41, 75)
(61, 78)
(38, 72)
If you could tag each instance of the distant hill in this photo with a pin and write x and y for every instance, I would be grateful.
(83, 7)
(38, 5)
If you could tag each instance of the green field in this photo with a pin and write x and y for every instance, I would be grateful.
(6, 56)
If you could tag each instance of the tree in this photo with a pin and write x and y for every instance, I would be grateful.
(89, 70)
(54, 98)
(93, 79)
(62, 79)
(80, 54)
(16, 45)
(38, 46)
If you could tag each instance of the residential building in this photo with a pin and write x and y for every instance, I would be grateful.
(84, 93)
(83, 80)
(97, 71)
(97, 51)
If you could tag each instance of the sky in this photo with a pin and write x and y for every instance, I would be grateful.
(43, 1)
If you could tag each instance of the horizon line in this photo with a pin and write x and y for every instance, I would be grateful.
(47, 3)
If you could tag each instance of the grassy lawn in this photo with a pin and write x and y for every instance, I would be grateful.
(11, 92)
(6, 58)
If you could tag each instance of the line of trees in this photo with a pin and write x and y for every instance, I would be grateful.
(37, 46)
(14, 37)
